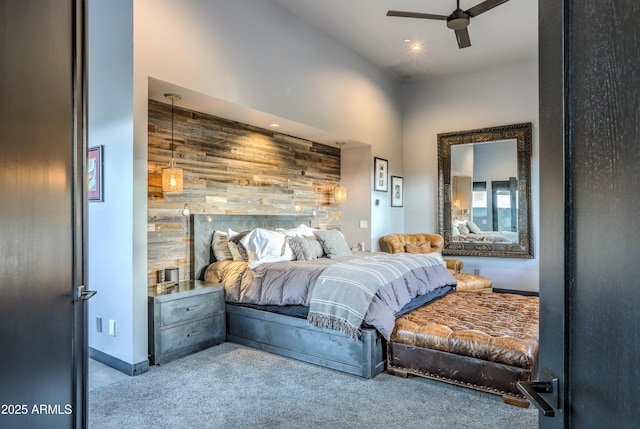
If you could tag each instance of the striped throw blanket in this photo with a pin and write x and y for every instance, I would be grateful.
(344, 291)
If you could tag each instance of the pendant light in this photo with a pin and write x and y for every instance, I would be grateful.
(340, 192)
(172, 177)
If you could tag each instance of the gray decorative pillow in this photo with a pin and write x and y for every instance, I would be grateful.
(238, 252)
(305, 248)
(333, 243)
(473, 228)
(220, 246)
(463, 229)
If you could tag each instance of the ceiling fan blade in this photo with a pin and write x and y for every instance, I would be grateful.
(463, 38)
(415, 15)
(484, 6)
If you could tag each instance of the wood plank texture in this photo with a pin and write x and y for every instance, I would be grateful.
(229, 168)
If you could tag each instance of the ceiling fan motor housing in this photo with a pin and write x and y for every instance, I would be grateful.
(458, 20)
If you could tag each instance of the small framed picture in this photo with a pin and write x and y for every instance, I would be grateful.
(95, 174)
(397, 191)
(380, 174)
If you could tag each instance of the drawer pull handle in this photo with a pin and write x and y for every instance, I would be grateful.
(192, 308)
(193, 333)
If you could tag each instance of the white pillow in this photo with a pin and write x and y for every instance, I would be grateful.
(263, 245)
(301, 230)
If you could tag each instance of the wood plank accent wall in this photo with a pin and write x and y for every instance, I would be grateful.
(229, 168)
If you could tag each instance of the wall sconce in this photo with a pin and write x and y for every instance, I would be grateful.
(340, 194)
(456, 204)
(172, 177)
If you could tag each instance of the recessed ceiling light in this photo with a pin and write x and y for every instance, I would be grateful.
(407, 40)
(274, 125)
(416, 47)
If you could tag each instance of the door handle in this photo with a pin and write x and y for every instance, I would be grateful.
(85, 295)
(532, 390)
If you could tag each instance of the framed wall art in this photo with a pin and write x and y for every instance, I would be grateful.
(380, 174)
(397, 191)
(95, 174)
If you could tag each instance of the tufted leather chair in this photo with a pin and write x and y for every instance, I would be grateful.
(396, 243)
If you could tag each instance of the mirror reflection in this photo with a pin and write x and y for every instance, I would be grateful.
(485, 191)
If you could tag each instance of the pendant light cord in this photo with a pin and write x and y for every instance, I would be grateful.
(173, 98)
(173, 163)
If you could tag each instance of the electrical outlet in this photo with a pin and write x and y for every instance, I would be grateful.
(112, 328)
(364, 224)
(99, 324)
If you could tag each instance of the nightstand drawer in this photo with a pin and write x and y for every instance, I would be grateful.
(191, 334)
(188, 318)
(185, 309)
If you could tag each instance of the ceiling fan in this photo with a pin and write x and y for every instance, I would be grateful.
(457, 21)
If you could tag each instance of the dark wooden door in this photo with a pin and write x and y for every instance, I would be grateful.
(41, 217)
(590, 165)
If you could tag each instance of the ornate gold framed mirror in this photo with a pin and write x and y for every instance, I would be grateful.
(484, 190)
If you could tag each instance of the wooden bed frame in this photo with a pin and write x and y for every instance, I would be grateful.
(275, 333)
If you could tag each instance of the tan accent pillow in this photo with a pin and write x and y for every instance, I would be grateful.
(418, 248)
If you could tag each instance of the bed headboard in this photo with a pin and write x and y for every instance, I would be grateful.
(204, 226)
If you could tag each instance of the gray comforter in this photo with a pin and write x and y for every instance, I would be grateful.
(294, 282)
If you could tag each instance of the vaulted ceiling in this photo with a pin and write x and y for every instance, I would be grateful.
(506, 33)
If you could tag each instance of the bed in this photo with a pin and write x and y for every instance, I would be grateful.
(301, 331)
(429, 330)
(468, 232)
(487, 237)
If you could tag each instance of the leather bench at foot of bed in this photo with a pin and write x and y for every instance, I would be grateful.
(483, 341)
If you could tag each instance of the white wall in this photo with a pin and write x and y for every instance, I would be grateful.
(506, 94)
(110, 230)
(356, 177)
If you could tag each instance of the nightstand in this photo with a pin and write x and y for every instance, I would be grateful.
(184, 319)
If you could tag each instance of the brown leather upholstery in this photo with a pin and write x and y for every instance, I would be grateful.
(473, 283)
(500, 328)
(395, 243)
(483, 341)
